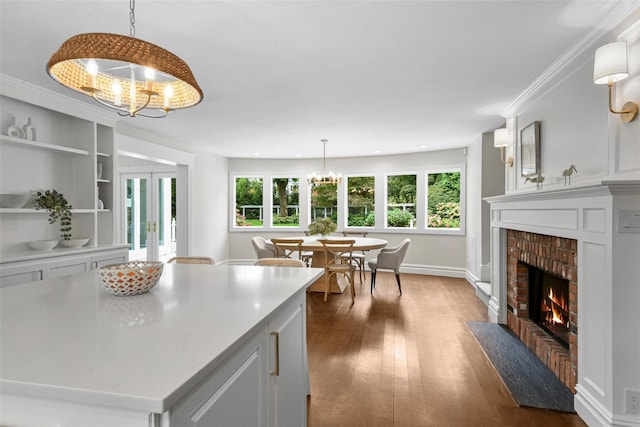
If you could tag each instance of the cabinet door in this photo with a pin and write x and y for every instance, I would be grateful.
(288, 385)
(234, 395)
(10, 276)
(67, 267)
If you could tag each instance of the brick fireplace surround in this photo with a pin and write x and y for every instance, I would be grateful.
(558, 256)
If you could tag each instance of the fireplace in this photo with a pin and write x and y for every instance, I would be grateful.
(549, 304)
(537, 263)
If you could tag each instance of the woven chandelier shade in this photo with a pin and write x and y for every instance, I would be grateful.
(122, 54)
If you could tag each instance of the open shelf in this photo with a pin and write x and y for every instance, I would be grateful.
(42, 145)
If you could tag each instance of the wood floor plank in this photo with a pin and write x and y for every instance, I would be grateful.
(410, 360)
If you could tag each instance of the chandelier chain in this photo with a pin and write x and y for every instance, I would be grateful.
(132, 18)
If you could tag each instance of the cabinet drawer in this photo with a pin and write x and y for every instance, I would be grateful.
(9, 278)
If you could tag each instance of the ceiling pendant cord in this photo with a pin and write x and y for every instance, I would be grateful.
(132, 18)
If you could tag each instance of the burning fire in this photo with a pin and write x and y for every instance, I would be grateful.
(556, 313)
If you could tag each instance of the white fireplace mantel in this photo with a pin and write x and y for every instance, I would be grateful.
(605, 220)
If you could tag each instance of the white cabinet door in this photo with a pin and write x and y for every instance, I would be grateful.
(288, 393)
(234, 395)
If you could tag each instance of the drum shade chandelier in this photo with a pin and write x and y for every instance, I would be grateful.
(327, 177)
(132, 76)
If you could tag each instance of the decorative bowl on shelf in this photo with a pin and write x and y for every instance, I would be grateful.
(131, 278)
(42, 245)
(14, 201)
(74, 243)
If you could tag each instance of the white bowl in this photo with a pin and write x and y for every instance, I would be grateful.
(74, 243)
(14, 201)
(42, 245)
(131, 278)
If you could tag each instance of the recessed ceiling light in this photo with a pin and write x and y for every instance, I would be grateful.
(422, 146)
(377, 151)
(255, 154)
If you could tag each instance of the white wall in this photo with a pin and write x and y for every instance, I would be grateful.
(576, 127)
(209, 206)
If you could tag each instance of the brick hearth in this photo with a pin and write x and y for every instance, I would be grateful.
(558, 256)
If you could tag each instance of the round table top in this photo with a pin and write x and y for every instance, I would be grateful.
(311, 243)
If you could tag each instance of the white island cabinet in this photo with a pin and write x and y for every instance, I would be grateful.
(208, 346)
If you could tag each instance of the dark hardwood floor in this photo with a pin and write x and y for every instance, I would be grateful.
(410, 360)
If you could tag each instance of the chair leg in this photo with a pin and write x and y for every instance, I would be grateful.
(373, 280)
(327, 288)
(398, 280)
(353, 288)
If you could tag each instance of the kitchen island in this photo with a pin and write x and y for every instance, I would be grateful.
(208, 345)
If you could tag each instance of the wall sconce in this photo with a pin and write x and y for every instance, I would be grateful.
(501, 139)
(610, 66)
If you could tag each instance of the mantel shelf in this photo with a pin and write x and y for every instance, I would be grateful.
(42, 145)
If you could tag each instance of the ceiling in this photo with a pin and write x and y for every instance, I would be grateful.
(371, 77)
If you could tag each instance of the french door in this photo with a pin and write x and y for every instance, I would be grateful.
(149, 215)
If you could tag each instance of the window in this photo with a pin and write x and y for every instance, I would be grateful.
(285, 205)
(324, 201)
(361, 201)
(443, 199)
(425, 200)
(249, 205)
(401, 201)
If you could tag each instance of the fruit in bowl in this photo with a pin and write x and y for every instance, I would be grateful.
(131, 278)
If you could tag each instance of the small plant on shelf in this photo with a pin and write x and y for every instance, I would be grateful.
(59, 210)
(323, 226)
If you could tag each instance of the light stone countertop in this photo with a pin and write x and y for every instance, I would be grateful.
(66, 338)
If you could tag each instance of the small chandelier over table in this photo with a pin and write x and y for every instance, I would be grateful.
(327, 177)
(132, 76)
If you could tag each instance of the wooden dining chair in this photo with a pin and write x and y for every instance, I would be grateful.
(338, 262)
(358, 257)
(281, 262)
(191, 260)
(287, 248)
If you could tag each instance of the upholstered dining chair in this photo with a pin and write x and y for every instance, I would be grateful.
(282, 262)
(389, 259)
(191, 260)
(358, 257)
(261, 249)
(338, 261)
(286, 248)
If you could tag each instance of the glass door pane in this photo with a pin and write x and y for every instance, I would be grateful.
(136, 208)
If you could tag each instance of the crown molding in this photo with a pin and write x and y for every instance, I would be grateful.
(37, 95)
(621, 11)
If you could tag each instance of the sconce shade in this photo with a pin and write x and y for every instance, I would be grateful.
(501, 138)
(610, 64)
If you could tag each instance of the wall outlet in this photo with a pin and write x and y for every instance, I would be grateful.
(633, 401)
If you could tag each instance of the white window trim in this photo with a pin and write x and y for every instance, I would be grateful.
(304, 199)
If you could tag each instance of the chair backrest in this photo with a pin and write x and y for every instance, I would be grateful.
(287, 247)
(260, 248)
(337, 251)
(391, 258)
(355, 233)
(191, 260)
(283, 262)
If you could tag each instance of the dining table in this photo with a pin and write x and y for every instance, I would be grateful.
(312, 244)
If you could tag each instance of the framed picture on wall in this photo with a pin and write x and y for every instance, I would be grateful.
(530, 149)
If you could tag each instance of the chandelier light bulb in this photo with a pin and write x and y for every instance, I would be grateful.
(116, 87)
(92, 72)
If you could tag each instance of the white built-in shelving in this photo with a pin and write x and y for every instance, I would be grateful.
(69, 152)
